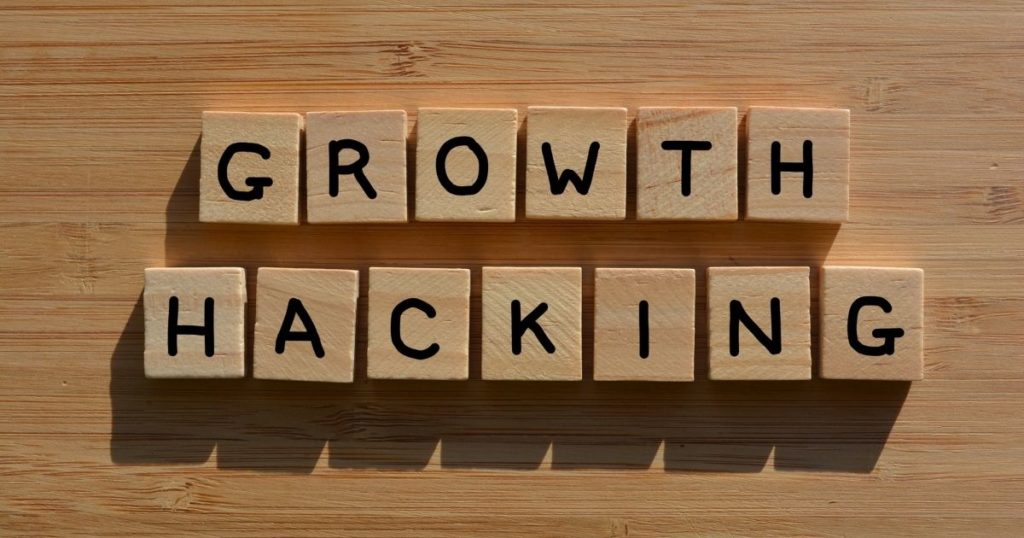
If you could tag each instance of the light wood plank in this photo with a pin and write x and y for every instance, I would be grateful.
(100, 118)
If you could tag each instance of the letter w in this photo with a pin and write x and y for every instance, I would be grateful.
(560, 182)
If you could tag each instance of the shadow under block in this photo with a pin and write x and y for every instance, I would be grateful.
(665, 299)
(305, 324)
(563, 144)
(886, 339)
(686, 164)
(544, 342)
(206, 305)
(466, 164)
(818, 135)
(249, 172)
(345, 150)
(418, 323)
(772, 302)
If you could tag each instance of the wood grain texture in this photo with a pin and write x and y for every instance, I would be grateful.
(382, 134)
(820, 136)
(266, 168)
(578, 140)
(532, 320)
(711, 188)
(643, 324)
(100, 116)
(181, 300)
(895, 324)
(437, 325)
(474, 150)
(750, 296)
(312, 306)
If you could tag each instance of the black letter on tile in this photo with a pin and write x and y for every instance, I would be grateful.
(738, 315)
(257, 183)
(396, 329)
(645, 331)
(560, 182)
(442, 171)
(334, 148)
(205, 330)
(889, 336)
(806, 166)
(687, 147)
(285, 334)
(521, 324)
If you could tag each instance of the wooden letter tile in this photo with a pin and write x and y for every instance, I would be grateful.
(355, 166)
(576, 163)
(532, 323)
(759, 323)
(466, 164)
(418, 323)
(872, 323)
(305, 324)
(643, 324)
(686, 164)
(259, 156)
(791, 138)
(195, 322)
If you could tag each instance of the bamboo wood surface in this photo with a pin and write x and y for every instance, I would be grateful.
(100, 110)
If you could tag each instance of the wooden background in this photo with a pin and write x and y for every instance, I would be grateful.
(100, 108)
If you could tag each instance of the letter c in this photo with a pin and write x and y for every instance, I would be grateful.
(396, 329)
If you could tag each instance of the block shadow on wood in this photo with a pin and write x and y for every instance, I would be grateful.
(151, 425)
(705, 426)
(181, 421)
(700, 426)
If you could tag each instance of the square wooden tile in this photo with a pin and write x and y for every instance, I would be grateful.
(872, 323)
(466, 164)
(305, 324)
(249, 171)
(686, 164)
(562, 144)
(418, 323)
(771, 302)
(532, 323)
(355, 166)
(643, 324)
(206, 306)
(792, 138)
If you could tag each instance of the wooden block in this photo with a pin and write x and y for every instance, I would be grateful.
(820, 136)
(532, 326)
(466, 164)
(643, 324)
(563, 145)
(305, 324)
(195, 322)
(355, 166)
(418, 323)
(759, 323)
(686, 164)
(872, 323)
(250, 168)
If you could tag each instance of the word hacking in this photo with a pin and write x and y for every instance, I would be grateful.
(758, 318)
